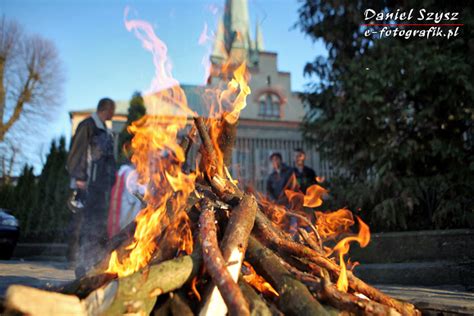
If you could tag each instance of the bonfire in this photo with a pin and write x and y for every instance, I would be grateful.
(204, 245)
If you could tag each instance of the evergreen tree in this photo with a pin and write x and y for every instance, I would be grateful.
(136, 110)
(7, 196)
(52, 216)
(394, 113)
(25, 198)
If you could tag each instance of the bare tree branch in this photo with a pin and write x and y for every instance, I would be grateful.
(30, 76)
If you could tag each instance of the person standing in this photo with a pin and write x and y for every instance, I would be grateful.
(91, 166)
(305, 176)
(279, 177)
(124, 205)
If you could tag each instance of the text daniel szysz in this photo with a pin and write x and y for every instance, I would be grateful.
(411, 15)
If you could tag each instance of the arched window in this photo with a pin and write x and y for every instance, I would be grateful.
(269, 105)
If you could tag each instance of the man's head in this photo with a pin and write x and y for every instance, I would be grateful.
(299, 156)
(106, 109)
(276, 159)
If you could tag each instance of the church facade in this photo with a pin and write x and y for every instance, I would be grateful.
(271, 120)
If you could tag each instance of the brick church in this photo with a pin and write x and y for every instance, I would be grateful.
(270, 122)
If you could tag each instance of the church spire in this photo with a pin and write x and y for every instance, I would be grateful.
(219, 52)
(236, 24)
(258, 38)
(233, 43)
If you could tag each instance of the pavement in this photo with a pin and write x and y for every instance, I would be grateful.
(33, 273)
(441, 300)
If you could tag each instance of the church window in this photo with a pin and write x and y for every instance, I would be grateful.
(269, 106)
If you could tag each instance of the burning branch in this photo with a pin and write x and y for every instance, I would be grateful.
(294, 297)
(234, 245)
(215, 263)
(280, 243)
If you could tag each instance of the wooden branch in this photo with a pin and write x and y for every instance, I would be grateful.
(187, 141)
(307, 238)
(233, 246)
(227, 140)
(279, 242)
(97, 302)
(179, 306)
(256, 303)
(209, 153)
(96, 277)
(294, 297)
(307, 221)
(35, 302)
(327, 292)
(138, 292)
(215, 263)
(205, 138)
(23, 98)
(349, 302)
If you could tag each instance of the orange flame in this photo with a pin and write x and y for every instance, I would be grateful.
(158, 159)
(225, 108)
(295, 198)
(320, 179)
(313, 196)
(332, 224)
(257, 281)
(342, 248)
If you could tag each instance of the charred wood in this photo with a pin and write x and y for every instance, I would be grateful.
(279, 242)
(215, 263)
(233, 246)
(294, 297)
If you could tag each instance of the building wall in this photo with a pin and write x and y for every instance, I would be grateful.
(257, 136)
(255, 144)
(266, 78)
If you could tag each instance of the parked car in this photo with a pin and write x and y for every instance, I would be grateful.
(9, 232)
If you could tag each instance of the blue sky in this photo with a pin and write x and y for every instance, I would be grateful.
(101, 58)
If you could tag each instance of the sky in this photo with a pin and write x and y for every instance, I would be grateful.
(101, 58)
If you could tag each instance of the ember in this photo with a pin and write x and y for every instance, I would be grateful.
(198, 227)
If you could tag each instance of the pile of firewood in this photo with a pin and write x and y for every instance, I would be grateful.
(241, 262)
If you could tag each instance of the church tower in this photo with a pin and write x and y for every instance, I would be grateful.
(271, 120)
(233, 43)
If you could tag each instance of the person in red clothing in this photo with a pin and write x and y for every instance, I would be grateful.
(124, 205)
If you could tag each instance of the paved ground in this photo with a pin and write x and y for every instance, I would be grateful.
(33, 273)
(433, 301)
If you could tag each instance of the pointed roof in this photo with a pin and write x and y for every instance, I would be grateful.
(258, 38)
(219, 51)
(233, 42)
(236, 24)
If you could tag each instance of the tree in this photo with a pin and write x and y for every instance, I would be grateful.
(30, 76)
(136, 110)
(39, 202)
(25, 198)
(51, 213)
(8, 158)
(395, 113)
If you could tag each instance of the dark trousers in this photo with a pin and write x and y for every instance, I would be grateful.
(73, 242)
(93, 230)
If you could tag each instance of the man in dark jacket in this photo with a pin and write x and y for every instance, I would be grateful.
(305, 176)
(278, 178)
(91, 165)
